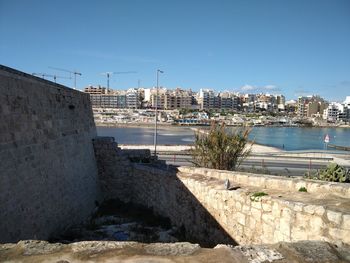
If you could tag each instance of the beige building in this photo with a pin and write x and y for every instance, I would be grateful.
(96, 90)
(311, 106)
(171, 99)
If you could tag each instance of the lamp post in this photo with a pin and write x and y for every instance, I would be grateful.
(156, 113)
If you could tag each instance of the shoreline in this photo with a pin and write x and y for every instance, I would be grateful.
(256, 148)
(165, 128)
(161, 124)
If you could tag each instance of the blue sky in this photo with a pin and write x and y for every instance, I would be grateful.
(295, 47)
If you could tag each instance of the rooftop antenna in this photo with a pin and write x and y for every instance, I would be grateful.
(44, 75)
(110, 73)
(70, 72)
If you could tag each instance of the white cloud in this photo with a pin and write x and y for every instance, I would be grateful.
(248, 87)
(270, 87)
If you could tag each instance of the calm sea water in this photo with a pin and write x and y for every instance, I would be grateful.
(289, 138)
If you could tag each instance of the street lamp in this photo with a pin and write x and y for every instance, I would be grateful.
(156, 113)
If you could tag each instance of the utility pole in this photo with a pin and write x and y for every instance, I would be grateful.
(156, 115)
(70, 72)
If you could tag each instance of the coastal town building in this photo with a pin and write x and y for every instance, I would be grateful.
(291, 106)
(132, 99)
(338, 111)
(157, 101)
(281, 102)
(206, 99)
(177, 99)
(102, 97)
(310, 106)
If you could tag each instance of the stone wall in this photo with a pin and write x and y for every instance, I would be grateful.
(285, 214)
(48, 173)
(114, 169)
(156, 188)
(197, 200)
(176, 197)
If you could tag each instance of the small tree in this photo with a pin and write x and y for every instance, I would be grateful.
(219, 149)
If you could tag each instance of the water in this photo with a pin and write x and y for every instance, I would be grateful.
(294, 138)
(287, 138)
(170, 135)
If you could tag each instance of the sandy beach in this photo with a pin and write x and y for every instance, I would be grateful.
(178, 148)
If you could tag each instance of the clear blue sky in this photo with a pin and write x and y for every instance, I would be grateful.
(291, 47)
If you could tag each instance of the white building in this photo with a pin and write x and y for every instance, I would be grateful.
(147, 95)
(331, 112)
(338, 111)
(132, 100)
(206, 99)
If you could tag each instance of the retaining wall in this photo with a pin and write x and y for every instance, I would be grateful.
(285, 214)
(197, 200)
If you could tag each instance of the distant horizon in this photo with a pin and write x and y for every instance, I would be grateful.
(294, 48)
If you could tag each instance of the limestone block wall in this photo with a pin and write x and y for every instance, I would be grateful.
(155, 188)
(48, 173)
(114, 169)
(176, 197)
(196, 200)
(323, 213)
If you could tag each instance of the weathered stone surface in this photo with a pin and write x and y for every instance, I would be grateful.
(167, 249)
(334, 217)
(48, 172)
(259, 254)
(133, 252)
(346, 222)
(286, 214)
(306, 251)
(174, 194)
(114, 169)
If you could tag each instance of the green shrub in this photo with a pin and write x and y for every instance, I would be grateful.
(302, 189)
(333, 173)
(257, 196)
(219, 149)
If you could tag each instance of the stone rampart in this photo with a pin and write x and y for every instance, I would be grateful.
(48, 172)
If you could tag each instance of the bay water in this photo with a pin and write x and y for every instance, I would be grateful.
(287, 138)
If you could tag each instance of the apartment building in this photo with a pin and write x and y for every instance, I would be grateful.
(207, 99)
(132, 99)
(310, 106)
(338, 111)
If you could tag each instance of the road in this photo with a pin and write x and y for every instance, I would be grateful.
(289, 166)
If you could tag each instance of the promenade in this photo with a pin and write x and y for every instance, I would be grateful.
(263, 158)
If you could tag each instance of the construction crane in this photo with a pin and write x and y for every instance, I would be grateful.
(70, 72)
(109, 74)
(44, 75)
